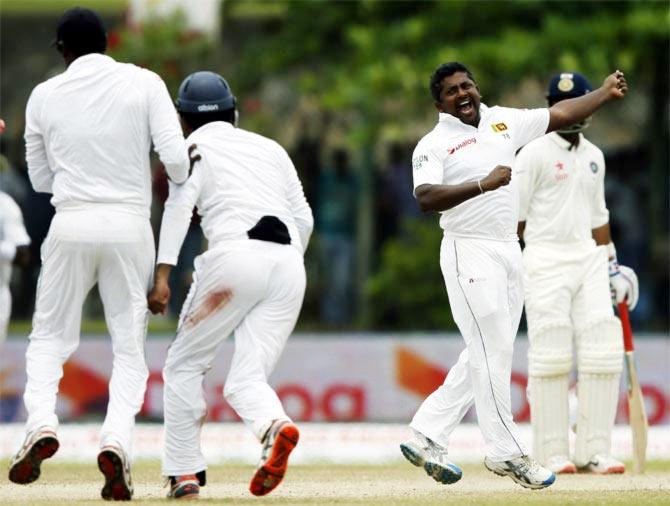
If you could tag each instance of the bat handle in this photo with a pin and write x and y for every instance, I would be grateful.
(625, 324)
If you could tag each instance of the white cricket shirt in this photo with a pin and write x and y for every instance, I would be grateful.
(562, 190)
(89, 131)
(12, 234)
(454, 153)
(241, 177)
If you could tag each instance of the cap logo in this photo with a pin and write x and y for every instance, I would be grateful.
(208, 107)
(566, 83)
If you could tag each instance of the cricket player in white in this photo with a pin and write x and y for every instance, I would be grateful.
(249, 283)
(462, 169)
(88, 135)
(565, 226)
(14, 241)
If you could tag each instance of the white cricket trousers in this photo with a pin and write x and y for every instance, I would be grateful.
(254, 290)
(115, 249)
(484, 284)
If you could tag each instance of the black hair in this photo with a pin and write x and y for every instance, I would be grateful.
(446, 70)
(196, 120)
(81, 31)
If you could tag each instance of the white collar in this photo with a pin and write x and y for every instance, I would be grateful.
(565, 144)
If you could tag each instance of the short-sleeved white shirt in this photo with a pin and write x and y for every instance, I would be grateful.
(454, 153)
(561, 189)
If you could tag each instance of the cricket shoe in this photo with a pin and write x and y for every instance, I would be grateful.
(113, 464)
(38, 446)
(524, 470)
(278, 443)
(184, 487)
(604, 464)
(560, 464)
(424, 452)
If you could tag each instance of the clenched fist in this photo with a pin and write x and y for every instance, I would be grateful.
(615, 84)
(500, 176)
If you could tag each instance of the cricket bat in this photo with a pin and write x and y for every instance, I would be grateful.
(637, 417)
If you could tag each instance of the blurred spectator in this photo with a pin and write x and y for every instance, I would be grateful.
(306, 158)
(395, 201)
(336, 229)
(11, 182)
(182, 274)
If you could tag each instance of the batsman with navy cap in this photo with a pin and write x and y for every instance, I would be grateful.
(88, 135)
(564, 222)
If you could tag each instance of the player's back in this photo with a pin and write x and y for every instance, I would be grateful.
(94, 119)
(245, 176)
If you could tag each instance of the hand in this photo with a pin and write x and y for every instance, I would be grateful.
(500, 176)
(192, 158)
(624, 286)
(615, 85)
(159, 297)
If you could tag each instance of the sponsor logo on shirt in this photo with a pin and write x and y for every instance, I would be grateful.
(499, 127)
(417, 161)
(476, 280)
(560, 174)
(463, 144)
(208, 107)
(594, 167)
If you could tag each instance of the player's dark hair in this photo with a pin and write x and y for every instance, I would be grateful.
(196, 120)
(81, 31)
(446, 70)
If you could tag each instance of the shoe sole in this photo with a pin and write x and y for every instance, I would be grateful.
(532, 486)
(27, 470)
(270, 474)
(115, 488)
(567, 470)
(441, 474)
(611, 470)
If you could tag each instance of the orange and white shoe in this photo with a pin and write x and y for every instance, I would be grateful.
(278, 443)
(560, 464)
(184, 487)
(38, 446)
(604, 464)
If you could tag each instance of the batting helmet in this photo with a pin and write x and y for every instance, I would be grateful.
(569, 85)
(204, 92)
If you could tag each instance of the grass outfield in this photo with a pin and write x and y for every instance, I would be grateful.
(396, 484)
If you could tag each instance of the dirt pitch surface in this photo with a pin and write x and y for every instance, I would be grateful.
(395, 484)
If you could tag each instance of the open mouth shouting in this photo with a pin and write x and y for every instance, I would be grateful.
(465, 109)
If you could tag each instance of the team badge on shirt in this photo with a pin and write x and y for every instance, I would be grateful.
(499, 127)
(594, 167)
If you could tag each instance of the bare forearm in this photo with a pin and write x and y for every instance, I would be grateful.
(602, 235)
(162, 272)
(440, 197)
(571, 111)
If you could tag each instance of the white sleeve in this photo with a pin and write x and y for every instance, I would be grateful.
(302, 213)
(529, 124)
(165, 130)
(13, 233)
(599, 214)
(427, 167)
(40, 174)
(177, 214)
(524, 165)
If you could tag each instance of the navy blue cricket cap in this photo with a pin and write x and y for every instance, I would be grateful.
(82, 31)
(567, 85)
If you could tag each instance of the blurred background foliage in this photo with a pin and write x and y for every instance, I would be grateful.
(353, 75)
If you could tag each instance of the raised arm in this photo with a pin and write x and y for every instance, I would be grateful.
(573, 110)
